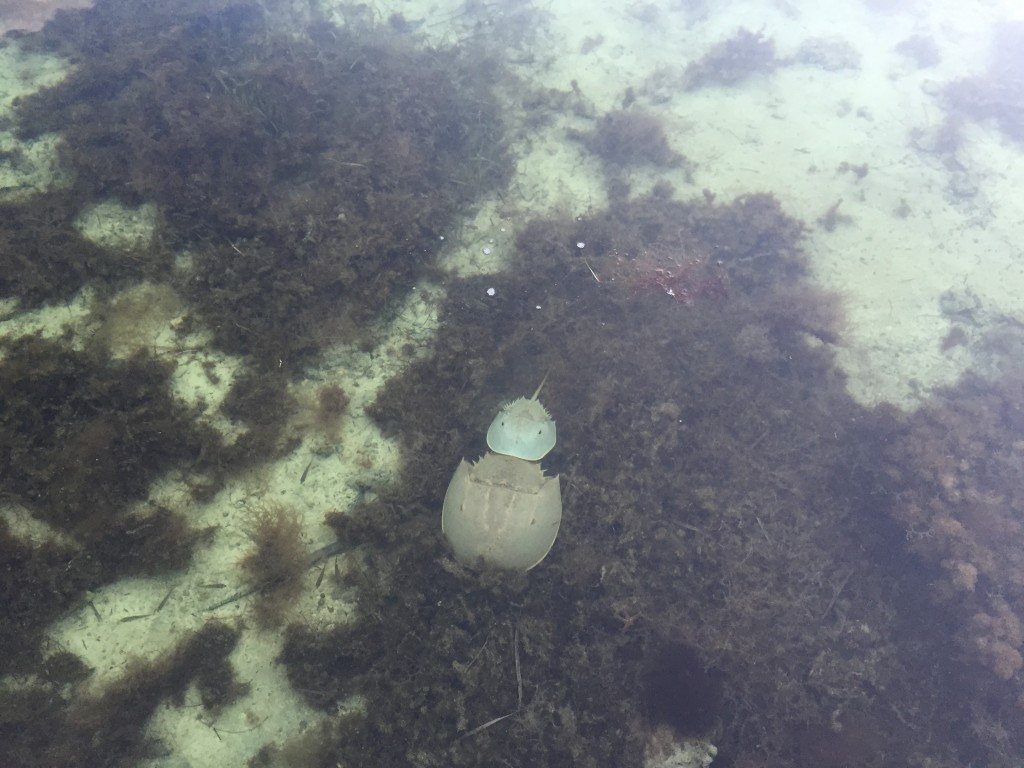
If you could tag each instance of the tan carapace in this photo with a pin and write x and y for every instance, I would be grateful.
(502, 511)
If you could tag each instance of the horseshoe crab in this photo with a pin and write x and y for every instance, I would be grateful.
(503, 511)
(523, 428)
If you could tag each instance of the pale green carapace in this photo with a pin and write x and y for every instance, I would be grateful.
(523, 429)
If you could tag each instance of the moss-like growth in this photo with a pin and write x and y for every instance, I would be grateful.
(672, 437)
(309, 177)
(328, 672)
(955, 476)
(33, 591)
(261, 402)
(725, 524)
(82, 435)
(45, 259)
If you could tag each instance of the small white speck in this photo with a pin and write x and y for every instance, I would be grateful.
(442, 237)
(581, 244)
(537, 307)
(487, 251)
(490, 291)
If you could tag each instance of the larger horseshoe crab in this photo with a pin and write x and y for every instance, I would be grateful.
(503, 512)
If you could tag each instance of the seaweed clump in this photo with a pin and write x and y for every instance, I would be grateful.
(732, 61)
(629, 137)
(82, 436)
(276, 563)
(308, 177)
(44, 258)
(261, 402)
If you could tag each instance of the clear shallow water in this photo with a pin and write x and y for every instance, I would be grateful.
(283, 270)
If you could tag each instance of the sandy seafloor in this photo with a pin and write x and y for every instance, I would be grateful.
(786, 133)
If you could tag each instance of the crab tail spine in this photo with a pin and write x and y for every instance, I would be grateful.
(539, 388)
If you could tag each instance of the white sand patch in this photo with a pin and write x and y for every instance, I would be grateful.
(116, 226)
(49, 322)
(483, 244)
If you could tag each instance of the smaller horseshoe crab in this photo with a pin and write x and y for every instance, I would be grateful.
(503, 511)
(523, 428)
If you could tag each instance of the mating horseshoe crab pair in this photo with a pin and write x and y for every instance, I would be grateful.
(503, 511)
